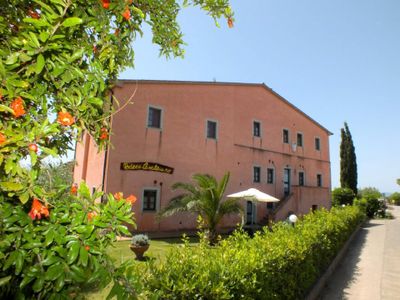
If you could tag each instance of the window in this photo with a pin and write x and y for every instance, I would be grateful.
(317, 144)
(314, 207)
(301, 178)
(150, 199)
(211, 129)
(270, 175)
(286, 136)
(270, 205)
(154, 117)
(256, 174)
(256, 129)
(319, 180)
(299, 139)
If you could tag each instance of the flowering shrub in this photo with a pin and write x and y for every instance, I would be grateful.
(58, 63)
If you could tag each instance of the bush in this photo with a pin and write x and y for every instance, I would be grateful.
(370, 193)
(395, 198)
(342, 196)
(372, 207)
(283, 264)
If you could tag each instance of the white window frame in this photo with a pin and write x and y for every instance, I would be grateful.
(259, 167)
(260, 132)
(216, 129)
(273, 175)
(302, 139)
(319, 174)
(157, 206)
(161, 117)
(315, 143)
(283, 140)
(304, 178)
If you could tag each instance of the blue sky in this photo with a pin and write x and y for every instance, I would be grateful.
(335, 60)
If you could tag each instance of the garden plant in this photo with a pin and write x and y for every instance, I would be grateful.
(59, 61)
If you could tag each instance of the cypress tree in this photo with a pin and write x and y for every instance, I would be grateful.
(348, 161)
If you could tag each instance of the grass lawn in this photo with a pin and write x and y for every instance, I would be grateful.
(121, 252)
(158, 248)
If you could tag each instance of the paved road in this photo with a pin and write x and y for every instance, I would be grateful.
(370, 269)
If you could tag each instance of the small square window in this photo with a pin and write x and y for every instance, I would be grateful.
(211, 129)
(256, 129)
(317, 144)
(256, 174)
(270, 175)
(154, 118)
(150, 200)
(319, 180)
(301, 178)
(286, 136)
(299, 139)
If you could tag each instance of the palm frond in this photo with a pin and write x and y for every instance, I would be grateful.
(177, 204)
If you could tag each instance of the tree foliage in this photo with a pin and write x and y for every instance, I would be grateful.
(205, 198)
(370, 193)
(59, 60)
(348, 161)
(342, 196)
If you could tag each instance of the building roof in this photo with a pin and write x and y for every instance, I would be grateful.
(263, 85)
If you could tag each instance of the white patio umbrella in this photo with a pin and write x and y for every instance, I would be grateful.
(254, 194)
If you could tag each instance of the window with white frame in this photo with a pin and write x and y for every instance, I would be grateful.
(301, 178)
(317, 143)
(285, 136)
(270, 175)
(256, 129)
(299, 139)
(211, 129)
(150, 198)
(319, 180)
(256, 174)
(154, 117)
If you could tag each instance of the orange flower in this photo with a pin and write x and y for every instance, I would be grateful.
(131, 199)
(74, 189)
(87, 248)
(230, 22)
(33, 147)
(91, 215)
(127, 13)
(18, 107)
(33, 14)
(65, 118)
(106, 4)
(38, 209)
(2, 138)
(103, 134)
(118, 196)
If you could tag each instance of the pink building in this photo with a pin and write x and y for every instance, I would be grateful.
(176, 129)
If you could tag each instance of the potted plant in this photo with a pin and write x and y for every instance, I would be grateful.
(139, 245)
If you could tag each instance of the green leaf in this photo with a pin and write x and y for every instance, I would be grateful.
(60, 282)
(77, 273)
(36, 22)
(73, 21)
(38, 285)
(50, 260)
(6, 108)
(83, 256)
(4, 280)
(54, 271)
(73, 252)
(84, 190)
(19, 263)
(12, 59)
(39, 64)
(11, 186)
(24, 197)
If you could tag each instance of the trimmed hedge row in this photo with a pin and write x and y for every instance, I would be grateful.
(283, 264)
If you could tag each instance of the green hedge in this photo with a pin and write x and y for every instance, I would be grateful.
(283, 264)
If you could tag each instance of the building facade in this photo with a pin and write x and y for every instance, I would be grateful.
(176, 129)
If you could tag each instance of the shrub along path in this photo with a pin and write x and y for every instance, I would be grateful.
(371, 266)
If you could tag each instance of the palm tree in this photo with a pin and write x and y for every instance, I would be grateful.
(205, 198)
